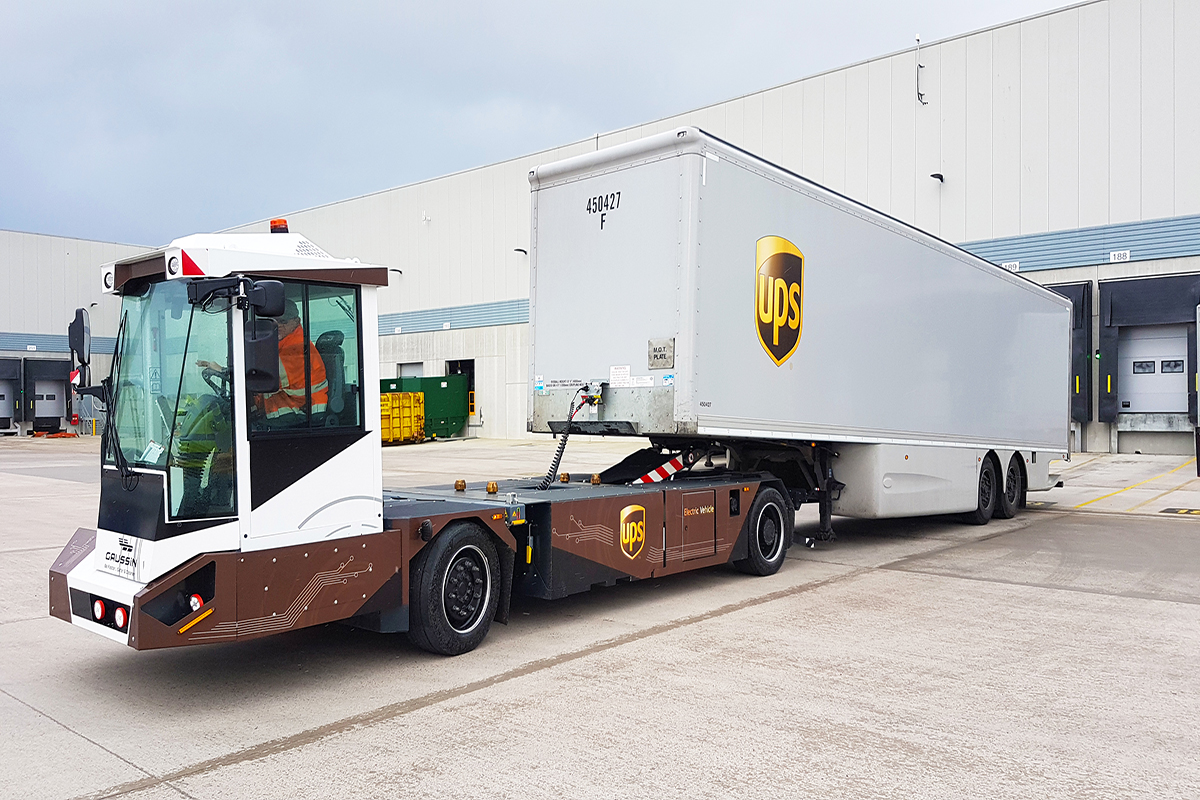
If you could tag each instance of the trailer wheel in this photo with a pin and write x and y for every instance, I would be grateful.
(1008, 501)
(987, 495)
(769, 529)
(454, 587)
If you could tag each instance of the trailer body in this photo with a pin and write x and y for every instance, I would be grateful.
(718, 297)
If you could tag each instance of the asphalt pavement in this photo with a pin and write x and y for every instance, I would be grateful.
(1052, 655)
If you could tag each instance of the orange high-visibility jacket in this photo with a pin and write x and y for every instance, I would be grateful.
(290, 398)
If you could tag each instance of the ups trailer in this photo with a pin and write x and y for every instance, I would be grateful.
(872, 368)
(241, 482)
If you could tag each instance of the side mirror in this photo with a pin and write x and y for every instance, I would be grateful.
(79, 335)
(266, 297)
(262, 354)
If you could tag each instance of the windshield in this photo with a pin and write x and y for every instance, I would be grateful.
(171, 396)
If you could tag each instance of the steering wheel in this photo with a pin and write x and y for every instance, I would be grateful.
(213, 376)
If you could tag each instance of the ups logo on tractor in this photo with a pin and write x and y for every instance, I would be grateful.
(633, 530)
(779, 297)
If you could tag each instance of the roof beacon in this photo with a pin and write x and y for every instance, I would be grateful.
(279, 226)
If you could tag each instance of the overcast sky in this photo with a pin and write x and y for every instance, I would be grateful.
(141, 122)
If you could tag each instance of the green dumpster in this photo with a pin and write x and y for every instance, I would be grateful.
(445, 401)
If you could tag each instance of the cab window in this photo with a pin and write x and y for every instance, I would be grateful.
(319, 363)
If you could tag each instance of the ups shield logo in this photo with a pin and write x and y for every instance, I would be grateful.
(779, 297)
(633, 530)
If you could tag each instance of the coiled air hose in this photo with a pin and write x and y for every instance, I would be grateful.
(562, 445)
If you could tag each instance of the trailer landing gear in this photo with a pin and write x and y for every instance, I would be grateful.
(827, 491)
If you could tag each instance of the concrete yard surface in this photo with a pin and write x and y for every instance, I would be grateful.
(1052, 655)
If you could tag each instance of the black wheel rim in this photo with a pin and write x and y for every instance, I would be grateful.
(985, 488)
(1011, 490)
(466, 589)
(770, 532)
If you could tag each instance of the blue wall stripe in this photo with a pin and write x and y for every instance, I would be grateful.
(51, 342)
(1175, 237)
(480, 315)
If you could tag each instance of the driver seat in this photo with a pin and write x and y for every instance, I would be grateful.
(329, 345)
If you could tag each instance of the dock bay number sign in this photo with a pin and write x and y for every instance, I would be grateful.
(779, 296)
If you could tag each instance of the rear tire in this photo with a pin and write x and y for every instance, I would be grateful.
(987, 495)
(1008, 499)
(769, 529)
(454, 588)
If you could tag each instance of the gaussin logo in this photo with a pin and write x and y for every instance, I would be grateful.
(779, 297)
(633, 530)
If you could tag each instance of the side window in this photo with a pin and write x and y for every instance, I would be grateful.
(318, 363)
(333, 322)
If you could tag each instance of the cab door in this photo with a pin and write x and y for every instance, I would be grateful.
(314, 466)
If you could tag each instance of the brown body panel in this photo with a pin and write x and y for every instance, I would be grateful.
(264, 592)
(592, 529)
(80, 545)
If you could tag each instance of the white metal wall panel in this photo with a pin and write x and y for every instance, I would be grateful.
(735, 111)
(1034, 125)
(879, 135)
(793, 126)
(855, 132)
(752, 122)
(833, 137)
(1062, 148)
(772, 146)
(979, 127)
(1125, 102)
(1157, 112)
(927, 191)
(1094, 119)
(952, 195)
(1187, 110)
(1006, 143)
(45, 278)
(813, 164)
(903, 120)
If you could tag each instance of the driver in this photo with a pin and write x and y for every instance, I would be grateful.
(285, 408)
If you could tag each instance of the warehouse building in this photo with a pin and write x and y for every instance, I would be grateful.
(45, 279)
(1062, 146)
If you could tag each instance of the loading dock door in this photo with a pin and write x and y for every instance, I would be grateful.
(1152, 368)
(7, 395)
(50, 399)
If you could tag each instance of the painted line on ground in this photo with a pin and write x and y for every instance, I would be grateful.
(1161, 496)
(1139, 483)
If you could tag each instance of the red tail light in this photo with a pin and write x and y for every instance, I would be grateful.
(98, 610)
(120, 617)
(196, 601)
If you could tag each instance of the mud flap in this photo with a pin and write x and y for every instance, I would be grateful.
(507, 560)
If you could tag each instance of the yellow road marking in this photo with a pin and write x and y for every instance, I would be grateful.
(184, 629)
(1134, 486)
(1161, 496)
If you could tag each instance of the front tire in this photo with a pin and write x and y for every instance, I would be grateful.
(454, 589)
(987, 495)
(769, 529)
(1009, 499)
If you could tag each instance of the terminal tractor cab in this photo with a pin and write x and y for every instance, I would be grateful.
(237, 423)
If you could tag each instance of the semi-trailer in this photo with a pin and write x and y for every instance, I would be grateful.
(799, 347)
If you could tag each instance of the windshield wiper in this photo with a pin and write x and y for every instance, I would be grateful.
(107, 392)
